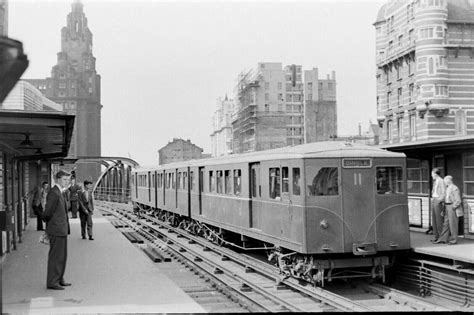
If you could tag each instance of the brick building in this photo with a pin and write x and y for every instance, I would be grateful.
(425, 96)
(75, 84)
(179, 150)
(274, 106)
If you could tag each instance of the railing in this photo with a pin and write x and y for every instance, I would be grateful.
(113, 194)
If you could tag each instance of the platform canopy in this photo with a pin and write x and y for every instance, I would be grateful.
(428, 148)
(32, 135)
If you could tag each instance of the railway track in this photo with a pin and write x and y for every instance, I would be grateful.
(256, 285)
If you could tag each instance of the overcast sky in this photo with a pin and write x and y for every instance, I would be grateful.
(164, 64)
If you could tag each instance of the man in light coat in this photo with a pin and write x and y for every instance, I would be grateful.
(452, 203)
(437, 203)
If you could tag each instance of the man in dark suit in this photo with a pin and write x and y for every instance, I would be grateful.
(86, 209)
(57, 228)
(73, 192)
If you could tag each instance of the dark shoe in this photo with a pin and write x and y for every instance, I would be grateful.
(56, 287)
(437, 242)
(434, 241)
(429, 231)
(65, 284)
(83, 237)
(91, 238)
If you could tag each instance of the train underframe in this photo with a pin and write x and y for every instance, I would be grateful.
(315, 269)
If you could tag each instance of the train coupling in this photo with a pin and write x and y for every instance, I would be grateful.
(363, 249)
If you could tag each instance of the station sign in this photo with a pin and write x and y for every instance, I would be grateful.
(356, 163)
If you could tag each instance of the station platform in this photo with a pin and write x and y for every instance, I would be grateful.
(463, 251)
(108, 275)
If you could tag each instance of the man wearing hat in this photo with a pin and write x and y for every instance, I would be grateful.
(86, 208)
(57, 228)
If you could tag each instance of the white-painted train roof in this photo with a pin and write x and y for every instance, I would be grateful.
(326, 149)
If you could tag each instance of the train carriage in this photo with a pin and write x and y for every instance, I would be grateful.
(327, 199)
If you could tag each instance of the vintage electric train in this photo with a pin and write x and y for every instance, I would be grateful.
(325, 209)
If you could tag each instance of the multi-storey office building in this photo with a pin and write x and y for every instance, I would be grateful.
(75, 84)
(425, 94)
(24, 96)
(221, 137)
(272, 110)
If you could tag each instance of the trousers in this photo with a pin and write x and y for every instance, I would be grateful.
(57, 258)
(450, 226)
(86, 221)
(436, 219)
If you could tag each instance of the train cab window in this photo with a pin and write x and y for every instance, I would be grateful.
(191, 179)
(285, 185)
(389, 180)
(296, 181)
(237, 181)
(219, 182)
(274, 178)
(324, 183)
(227, 182)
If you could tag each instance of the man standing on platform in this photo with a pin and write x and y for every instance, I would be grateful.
(453, 203)
(437, 203)
(57, 229)
(73, 190)
(39, 199)
(86, 209)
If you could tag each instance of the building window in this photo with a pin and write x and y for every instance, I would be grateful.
(267, 85)
(441, 63)
(400, 41)
(378, 103)
(398, 71)
(441, 90)
(460, 122)
(320, 85)
(62, 85)
(330, 86)
(280, 107)
(426, 33)
(288, 108)
(310, 97)
(400, 128)
(411, 90)
(267, 107)
(431, 70)
(411, 39)
(389, 131)
(310, 85)
(418, 176)
(267, 96)
(399, 96)
(468, 166)
(389, 95)
(412, 127)
(279, 85)
(280, 96)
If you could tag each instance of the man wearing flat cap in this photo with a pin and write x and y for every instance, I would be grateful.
(86, 209)
(57, 228)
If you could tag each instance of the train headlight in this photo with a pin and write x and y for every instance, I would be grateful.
(324, 224)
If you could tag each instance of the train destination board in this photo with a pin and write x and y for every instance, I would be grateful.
(357, 163)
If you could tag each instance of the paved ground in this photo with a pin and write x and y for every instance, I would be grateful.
(462, 251)
(108, 275)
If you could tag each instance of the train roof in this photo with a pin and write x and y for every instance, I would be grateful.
(326, 149)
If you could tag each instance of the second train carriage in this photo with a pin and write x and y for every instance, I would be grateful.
(321, 199)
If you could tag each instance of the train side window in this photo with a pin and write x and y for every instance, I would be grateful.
(296, 181)
(285, 185)
(168, 182)
(191, 179)
(227, 182)
(324, 183)
(219, 182)
(173, 181)
(237, 181)
(389, 180)
(185, 180)
(212, 182)
(274, 178)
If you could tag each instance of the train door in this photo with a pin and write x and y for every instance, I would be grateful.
(149, 187)
(255, 193)
(358, 205)
(156, 188)
(136, 186)
(165, 182)
(201, 188)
